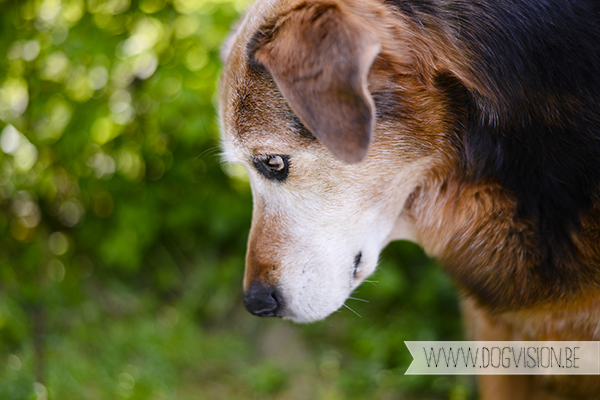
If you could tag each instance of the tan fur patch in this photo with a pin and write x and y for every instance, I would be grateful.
(354, 80)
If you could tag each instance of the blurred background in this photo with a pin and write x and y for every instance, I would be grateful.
(122, 235)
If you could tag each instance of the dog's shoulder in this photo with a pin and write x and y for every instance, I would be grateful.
(522, 86)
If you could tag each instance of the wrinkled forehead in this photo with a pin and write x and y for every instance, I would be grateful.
(255, 118)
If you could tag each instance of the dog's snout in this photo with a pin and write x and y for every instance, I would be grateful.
(263, 300)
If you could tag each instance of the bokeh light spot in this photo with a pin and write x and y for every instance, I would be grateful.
(58, 243)
(71, 212)
(56, 271)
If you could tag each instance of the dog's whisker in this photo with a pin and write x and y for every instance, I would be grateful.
(207, 152)
(357, 299)
(345, 305)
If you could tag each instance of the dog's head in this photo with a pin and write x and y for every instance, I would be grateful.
(323, 105)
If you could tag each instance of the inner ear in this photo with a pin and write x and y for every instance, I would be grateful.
(319, 56)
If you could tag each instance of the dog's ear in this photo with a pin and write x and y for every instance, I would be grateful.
(320, 56)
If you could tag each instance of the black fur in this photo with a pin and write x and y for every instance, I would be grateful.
(536, 127)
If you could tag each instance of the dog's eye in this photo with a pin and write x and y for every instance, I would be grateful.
(274, 167)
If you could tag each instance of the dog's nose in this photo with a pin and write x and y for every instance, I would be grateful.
(262, 300)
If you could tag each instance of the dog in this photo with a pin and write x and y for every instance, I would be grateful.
(469, 127)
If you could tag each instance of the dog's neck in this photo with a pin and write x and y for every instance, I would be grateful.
(512, 214)
(500, 258)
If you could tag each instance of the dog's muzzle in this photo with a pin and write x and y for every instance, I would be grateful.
(263, 300)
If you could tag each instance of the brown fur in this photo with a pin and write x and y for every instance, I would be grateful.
(416, 75)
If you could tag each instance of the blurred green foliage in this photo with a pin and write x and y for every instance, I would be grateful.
(122, 236)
